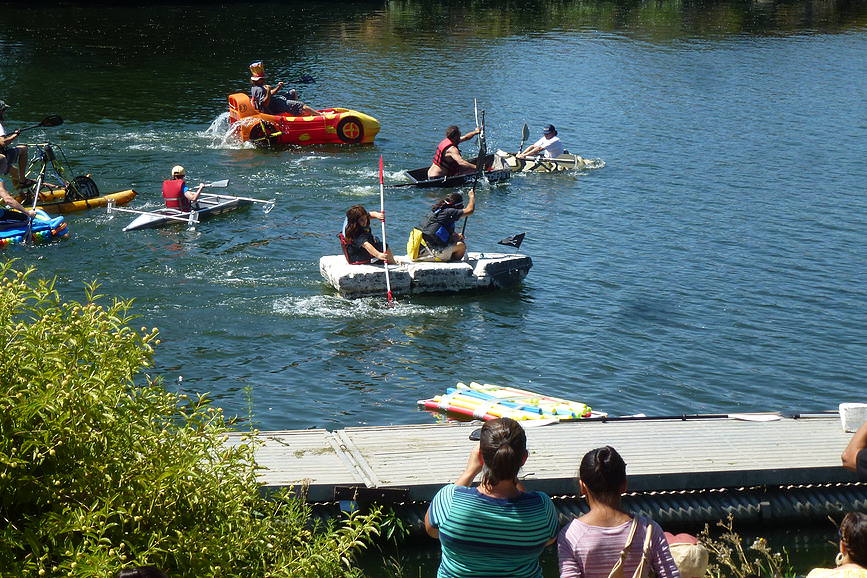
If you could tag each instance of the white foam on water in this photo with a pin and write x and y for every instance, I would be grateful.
(223, 135)
(593, 163)
(335, 307)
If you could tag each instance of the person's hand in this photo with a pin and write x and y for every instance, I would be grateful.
(377, 215)
(30, 213)
(474, 462)
(279, 85)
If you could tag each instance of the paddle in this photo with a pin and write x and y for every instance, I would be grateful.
(480, 162)
(525, 132)
(217, 184)
(538, 159)
(48, 121)
(384, 244)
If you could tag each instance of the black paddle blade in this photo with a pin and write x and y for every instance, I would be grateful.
(525, 133)
(53, 120)
(514, 241)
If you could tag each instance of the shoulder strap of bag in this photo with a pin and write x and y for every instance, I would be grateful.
(643, 568)
(617, 570)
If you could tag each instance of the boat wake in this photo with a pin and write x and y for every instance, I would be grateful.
(334, 307)
(223, 135)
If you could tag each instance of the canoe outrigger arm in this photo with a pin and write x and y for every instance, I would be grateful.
(191, 219)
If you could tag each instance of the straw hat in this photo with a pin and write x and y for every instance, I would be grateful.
(178, 170)
(257, 71)
(690, 557)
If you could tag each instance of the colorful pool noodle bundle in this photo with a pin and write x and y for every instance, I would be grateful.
(475, 408)
(577, 408)
(550, 408)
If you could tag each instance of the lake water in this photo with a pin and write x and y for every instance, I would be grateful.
(715, 264)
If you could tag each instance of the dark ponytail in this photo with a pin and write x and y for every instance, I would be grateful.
(452, 200)
(853, 534)
(503, 445)
(603, 471)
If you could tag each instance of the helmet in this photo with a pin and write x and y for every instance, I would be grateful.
(178, 170)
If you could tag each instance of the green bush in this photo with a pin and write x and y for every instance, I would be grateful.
(98, 473)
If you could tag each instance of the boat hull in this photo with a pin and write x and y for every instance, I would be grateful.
(564, 162)
(481, 271)
(335, 126)
(45, 229)
(493, 173)
(210, 206)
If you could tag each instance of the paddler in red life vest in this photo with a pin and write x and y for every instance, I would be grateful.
(447, 160)
(176, 193)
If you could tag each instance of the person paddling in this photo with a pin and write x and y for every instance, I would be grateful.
(447, 159)
(265, 98)
(361, 245)
(176, 193)
(438, 227)
(13, 158)
(549, 146)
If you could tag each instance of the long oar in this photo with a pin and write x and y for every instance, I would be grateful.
(573, 163)
(384, 244)
(480, 164)
(48, 121)
(217, 184)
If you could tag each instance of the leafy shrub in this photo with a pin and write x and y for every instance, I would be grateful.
(97, 473)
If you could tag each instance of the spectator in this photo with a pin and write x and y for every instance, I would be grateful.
(607, 539)
(852, 558)
(497, 528)
(855, 455)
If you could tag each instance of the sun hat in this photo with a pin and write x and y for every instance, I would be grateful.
(257, 70)
(690, 557)
(178, 170)
(549, 128)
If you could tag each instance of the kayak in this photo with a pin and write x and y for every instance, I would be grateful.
(537, 164)
(480, 271)
(53, 201)
(44, 230)
(495, 172)
(488, 401)
(209, 206)
(335, 126)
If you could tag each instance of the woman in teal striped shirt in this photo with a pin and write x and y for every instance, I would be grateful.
(497, 529)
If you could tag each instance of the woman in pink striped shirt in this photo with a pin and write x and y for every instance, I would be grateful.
(592, 545)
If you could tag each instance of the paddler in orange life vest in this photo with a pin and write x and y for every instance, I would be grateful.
(447, 160)
(176, 193)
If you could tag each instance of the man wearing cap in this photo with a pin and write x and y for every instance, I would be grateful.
(855, 455)
(548, 146)
(265, 98)
(176, 193)
(10, 155)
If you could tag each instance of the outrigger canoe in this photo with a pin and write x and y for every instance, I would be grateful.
(335, 126)
(495, 171)
(209, 206)
(44, 230)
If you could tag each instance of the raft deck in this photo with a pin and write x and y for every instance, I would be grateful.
(480, 271)
(414, 461)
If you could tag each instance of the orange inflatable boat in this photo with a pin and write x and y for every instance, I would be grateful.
(335, 126)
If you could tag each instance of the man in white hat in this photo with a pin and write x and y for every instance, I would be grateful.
(265, 98)
(177, 195)
(13, 159)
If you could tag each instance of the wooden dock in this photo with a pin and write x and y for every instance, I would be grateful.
(661, 455)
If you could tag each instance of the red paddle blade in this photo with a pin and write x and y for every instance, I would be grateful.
(380, 170)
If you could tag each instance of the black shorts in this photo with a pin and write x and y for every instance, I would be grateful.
(12, 216)
(11, 154)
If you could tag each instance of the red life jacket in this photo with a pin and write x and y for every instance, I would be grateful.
(173, 193)
(441, 160)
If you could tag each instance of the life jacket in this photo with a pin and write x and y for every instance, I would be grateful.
(436, 233)
(441, 160)
(173, 193)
